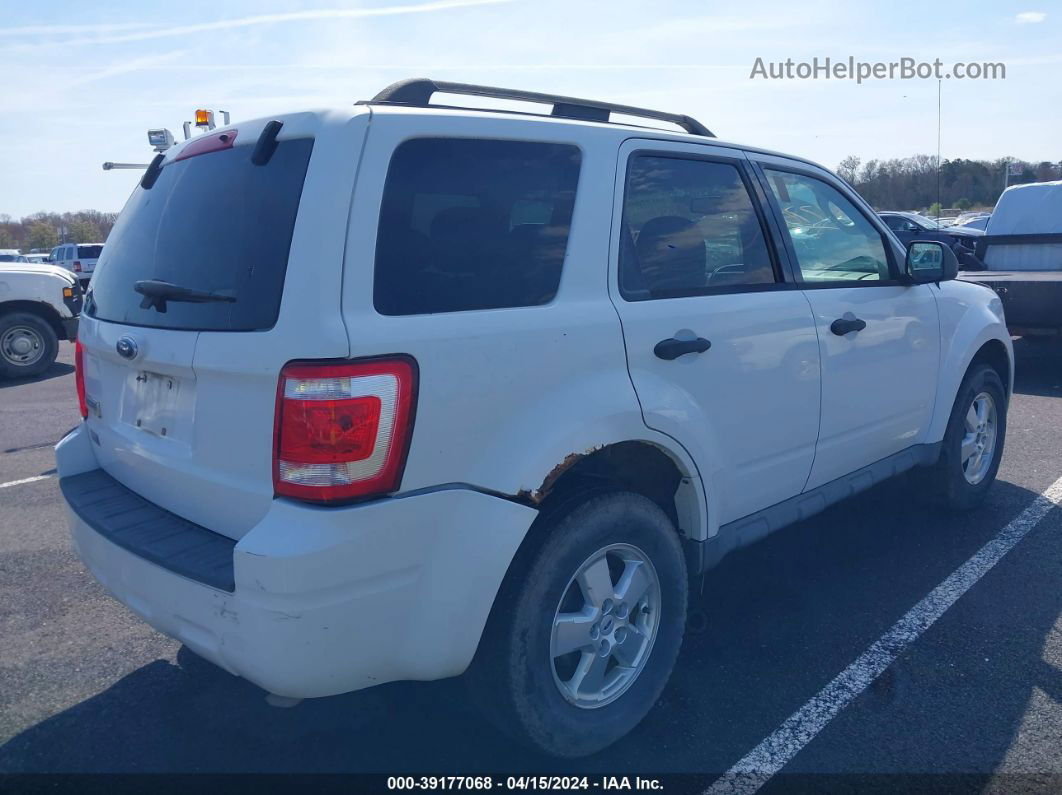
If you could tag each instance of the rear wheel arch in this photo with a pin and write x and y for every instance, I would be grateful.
(637, 466)
(45, 311)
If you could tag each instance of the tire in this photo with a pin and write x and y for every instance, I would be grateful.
(28, 345)
(949, 483)
(516, 679)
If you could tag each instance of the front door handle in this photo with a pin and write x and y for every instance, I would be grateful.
(843, 325)
(672, 348)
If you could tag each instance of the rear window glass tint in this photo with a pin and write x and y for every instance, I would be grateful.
(89, 252)
(212, 222)
(473, 224)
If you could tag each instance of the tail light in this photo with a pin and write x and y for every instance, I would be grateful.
(79, 377)
(342, 431)
(77, 266)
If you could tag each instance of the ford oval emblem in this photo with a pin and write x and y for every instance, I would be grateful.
(126, 347)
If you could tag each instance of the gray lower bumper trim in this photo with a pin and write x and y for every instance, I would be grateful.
(704, 554)
(150, 532)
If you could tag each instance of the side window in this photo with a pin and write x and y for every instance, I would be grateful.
(473, 224)
(897, 223)
(832, 239)
(689, 228)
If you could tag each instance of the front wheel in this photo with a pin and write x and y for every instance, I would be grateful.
(587, 627)
(973, 442)
(28, 345)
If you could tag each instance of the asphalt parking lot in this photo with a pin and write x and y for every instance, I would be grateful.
(85, 686)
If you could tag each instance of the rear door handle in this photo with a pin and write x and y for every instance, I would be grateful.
(672, 348)
(842, 325)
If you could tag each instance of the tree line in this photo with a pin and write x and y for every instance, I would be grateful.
(906, 183)
(44, 230)
(910, 183)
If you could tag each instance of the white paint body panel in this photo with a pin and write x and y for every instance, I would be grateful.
(42, 284)
(328, 601)
(878, 385)
(763, 367)
(213, 466)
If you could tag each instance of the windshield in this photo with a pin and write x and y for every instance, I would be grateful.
(213, 222)
(924, 221)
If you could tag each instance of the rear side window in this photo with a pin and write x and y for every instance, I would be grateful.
(213, 222)
(689, 228)
(473, 224)
(89, 252)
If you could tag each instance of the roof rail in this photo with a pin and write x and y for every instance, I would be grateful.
(418, 92)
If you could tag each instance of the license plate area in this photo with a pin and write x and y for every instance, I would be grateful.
(159, 404)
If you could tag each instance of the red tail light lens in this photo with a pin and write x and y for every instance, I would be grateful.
(77, 266)
(343, 430)
(79, 377)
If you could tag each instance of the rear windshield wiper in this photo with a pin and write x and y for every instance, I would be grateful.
(157, 293)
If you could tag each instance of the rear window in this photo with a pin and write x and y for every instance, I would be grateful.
(473, 224)
(212, 222)
(89, 252)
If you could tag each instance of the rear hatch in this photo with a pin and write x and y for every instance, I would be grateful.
(87, 257)
(181, 393)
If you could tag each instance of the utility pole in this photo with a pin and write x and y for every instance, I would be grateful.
(940, 206)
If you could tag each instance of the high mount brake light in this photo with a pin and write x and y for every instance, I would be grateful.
(342, 431)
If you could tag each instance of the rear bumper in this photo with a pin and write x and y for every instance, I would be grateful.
(69, 328)
(327, 600)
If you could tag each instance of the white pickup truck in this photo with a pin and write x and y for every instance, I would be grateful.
(39, 305)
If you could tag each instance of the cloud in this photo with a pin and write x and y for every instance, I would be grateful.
(47, 30)
(1030, 17)
(273, 19)
(125, 67)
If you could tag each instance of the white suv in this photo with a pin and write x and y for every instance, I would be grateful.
(397, 391)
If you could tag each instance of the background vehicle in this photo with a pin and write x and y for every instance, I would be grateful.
(497, 385)
(973, 222)
(39, 305)
(79, 258)
(38, 259)
(1020, 257)
(912, 226)
(9, 254)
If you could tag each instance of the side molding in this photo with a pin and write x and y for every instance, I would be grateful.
(752, 528)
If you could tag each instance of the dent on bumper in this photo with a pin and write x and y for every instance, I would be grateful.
(330, 600)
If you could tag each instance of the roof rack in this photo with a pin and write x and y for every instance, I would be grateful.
(418, 92)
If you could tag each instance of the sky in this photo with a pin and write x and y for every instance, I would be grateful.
(83, 82)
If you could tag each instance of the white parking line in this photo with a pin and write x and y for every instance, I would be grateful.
(24, 480)
(761, 763)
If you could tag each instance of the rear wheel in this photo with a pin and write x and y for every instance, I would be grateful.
(973, 442)
(587, 627)
(28, 345)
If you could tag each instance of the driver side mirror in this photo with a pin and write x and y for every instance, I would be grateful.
(930, 261)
